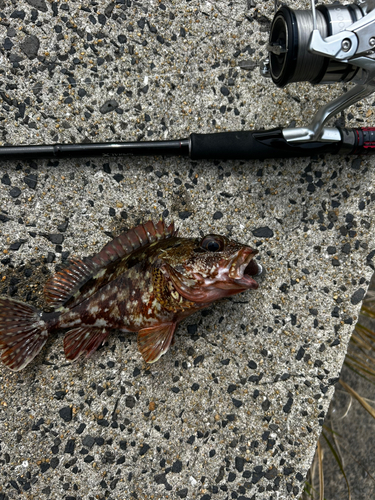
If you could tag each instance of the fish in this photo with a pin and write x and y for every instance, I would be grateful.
(146, 280)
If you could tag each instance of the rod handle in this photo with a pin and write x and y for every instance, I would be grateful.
(254, 145)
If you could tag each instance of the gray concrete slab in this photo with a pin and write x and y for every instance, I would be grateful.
(235, 409)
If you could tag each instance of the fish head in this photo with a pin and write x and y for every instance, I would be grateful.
(213, 267)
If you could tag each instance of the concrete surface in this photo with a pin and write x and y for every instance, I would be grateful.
(236, 408)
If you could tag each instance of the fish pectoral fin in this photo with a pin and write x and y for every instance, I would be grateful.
(83, 341)
(155, 341)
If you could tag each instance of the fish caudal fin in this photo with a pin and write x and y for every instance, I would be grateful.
(155, 341)
(22, 333)
(83, 341)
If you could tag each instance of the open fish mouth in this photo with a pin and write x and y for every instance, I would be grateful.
(243, 268)
(237, 274)
(233, 275)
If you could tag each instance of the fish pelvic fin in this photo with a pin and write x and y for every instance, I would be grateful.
(83, 341)
(155, 341)
(22, 333)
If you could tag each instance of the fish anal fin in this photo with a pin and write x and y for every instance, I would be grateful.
(83, 341)
(155, 341)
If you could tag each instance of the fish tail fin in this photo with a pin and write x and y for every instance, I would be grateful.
(22, 333)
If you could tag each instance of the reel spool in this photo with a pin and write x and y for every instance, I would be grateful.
(289, 57)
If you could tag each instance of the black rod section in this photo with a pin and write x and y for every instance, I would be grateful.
(241, 145)
(147, 148)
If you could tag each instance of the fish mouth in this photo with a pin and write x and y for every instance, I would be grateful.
(234, 275)
(242, 269)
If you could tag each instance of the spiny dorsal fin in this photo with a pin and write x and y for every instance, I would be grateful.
(67, 282)
(137, 237)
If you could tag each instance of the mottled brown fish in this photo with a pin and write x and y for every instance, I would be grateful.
(146, 280)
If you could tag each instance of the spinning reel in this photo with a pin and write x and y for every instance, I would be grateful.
(330, 43)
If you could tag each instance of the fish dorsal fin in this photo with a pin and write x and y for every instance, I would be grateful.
(62, 284)
(137, 237)
(66, 283)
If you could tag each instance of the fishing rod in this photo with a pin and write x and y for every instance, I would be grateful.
(327, 44)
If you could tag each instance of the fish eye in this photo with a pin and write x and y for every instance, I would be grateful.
(212, 243)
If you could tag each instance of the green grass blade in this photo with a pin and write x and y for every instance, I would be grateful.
(331, 431)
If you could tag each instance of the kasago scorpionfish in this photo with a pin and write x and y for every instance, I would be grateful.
(146, 280)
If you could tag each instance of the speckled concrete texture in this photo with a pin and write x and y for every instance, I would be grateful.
(235, 409)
